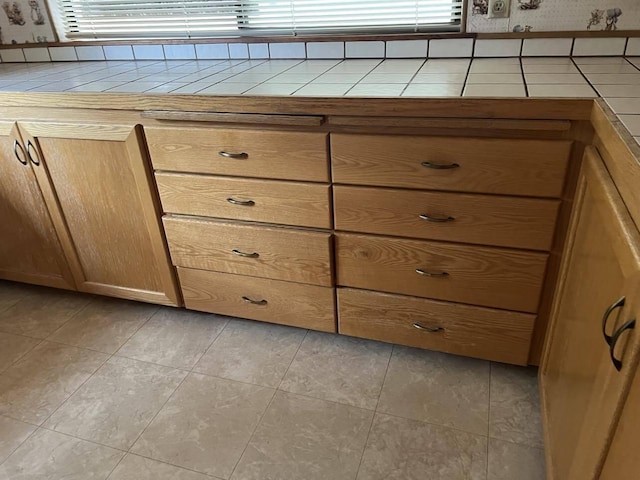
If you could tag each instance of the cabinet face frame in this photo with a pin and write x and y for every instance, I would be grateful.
(58, 279)
(606, 389)
(130, 136)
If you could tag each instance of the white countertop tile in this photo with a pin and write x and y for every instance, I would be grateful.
(433, 90)
(624, 105)
(376, 90)
(494, 78)
(555, 78)
(614, 91)
(632, 122)
(494, 90)
(614, 78)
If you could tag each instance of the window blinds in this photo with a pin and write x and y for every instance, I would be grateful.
(103, 19)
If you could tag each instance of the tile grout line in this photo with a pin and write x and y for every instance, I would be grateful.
(586, 79)
(524, 78)
(411, 80)
(275, 392)
(363, 77)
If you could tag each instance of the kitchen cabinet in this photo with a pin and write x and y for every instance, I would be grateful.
(591, 353)
(29, 247)
(95, 179)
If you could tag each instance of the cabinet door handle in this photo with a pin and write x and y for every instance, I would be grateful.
(29, 156)
(246, 203)
(427, 328)
(16, 145)
(630, 325)
(239, 155)
(440, 166)
(431, 218)
(420, 271)
(244, 254)
(617, 304)
(254, 302)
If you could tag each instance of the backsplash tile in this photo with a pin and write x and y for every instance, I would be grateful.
(90, 53)
(498, 48)
(633, 47)
(212, 51)
(287, 50)
(238, 50)
(37, 54)
(148, 52)
(118, 52)
(456, 47)
(63, 54)
(365, 49)
(325, 50)
(258, 50)
(547, 47)
(407, 48)
(179, 52)
(588, 47)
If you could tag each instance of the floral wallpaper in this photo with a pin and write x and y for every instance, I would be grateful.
(556, 15)
(25, 21)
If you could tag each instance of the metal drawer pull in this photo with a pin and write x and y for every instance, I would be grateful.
(254, 302)
(430, 218)
(29, 156)
(17, 145)
(244, 254)
(246, 203)
(241, 155)
(630, 325)
(617, 304)
(439, 166)
(431, 274)
(428, 329)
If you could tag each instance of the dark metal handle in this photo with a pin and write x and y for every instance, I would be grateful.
(29, 156)
(428, 329)
(440, 166)
(254, 302)
(431, 274)
(630, 325)
(240, 155)
(244, 254)
(246, 203)
(16, 145)
(617, 304)
(430, 218)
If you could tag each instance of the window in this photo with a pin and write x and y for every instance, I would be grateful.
(102, 19)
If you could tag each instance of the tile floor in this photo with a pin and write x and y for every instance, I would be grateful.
(95, 388)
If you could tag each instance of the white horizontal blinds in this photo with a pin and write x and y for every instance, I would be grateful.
(193, 18)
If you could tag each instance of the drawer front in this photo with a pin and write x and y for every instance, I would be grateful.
(278, 253)
(286, 303)
(484, 219)
(269, 201)
(497, 335)
(484, 165)
(492, 277)
(243, 153)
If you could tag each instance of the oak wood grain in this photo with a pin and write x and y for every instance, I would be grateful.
(497, 335)
(288, 203)
(287, 303)
(481, 219)
(224, 117)
(492, 277)
(510, 167)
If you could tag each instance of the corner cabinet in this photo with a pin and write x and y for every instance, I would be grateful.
(95, 181)
(591, 353)
(29, 247)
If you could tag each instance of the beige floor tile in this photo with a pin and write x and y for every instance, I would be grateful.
(206, 424)
(12, 347)
(437, 388)
(41, 312)
(252, 352)
(115, 405)
(11, 293)
(12, 434)
(515, 405)
(174, 337)
(105, 324)
(54, 456)
(509, 461)
(403, 449)
(134, 467)
(338, 368)
(305, 438)
(37, 384)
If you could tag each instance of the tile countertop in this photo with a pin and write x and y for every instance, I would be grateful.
(616, 79)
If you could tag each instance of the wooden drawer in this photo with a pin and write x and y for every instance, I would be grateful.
(497, 335)
(278, 253)
(485, 165)
(484, 219)
(306, 306)
(492, 277)
(283, 155)
(288, 203)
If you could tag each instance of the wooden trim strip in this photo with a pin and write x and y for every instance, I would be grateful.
(218, 117)
(457, 123)
(73, 130)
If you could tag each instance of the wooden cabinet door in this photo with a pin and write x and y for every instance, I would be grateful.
(29, 247)
(97, 178)
(582, 391)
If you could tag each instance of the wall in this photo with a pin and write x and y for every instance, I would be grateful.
(25, 21)
(557, 15)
